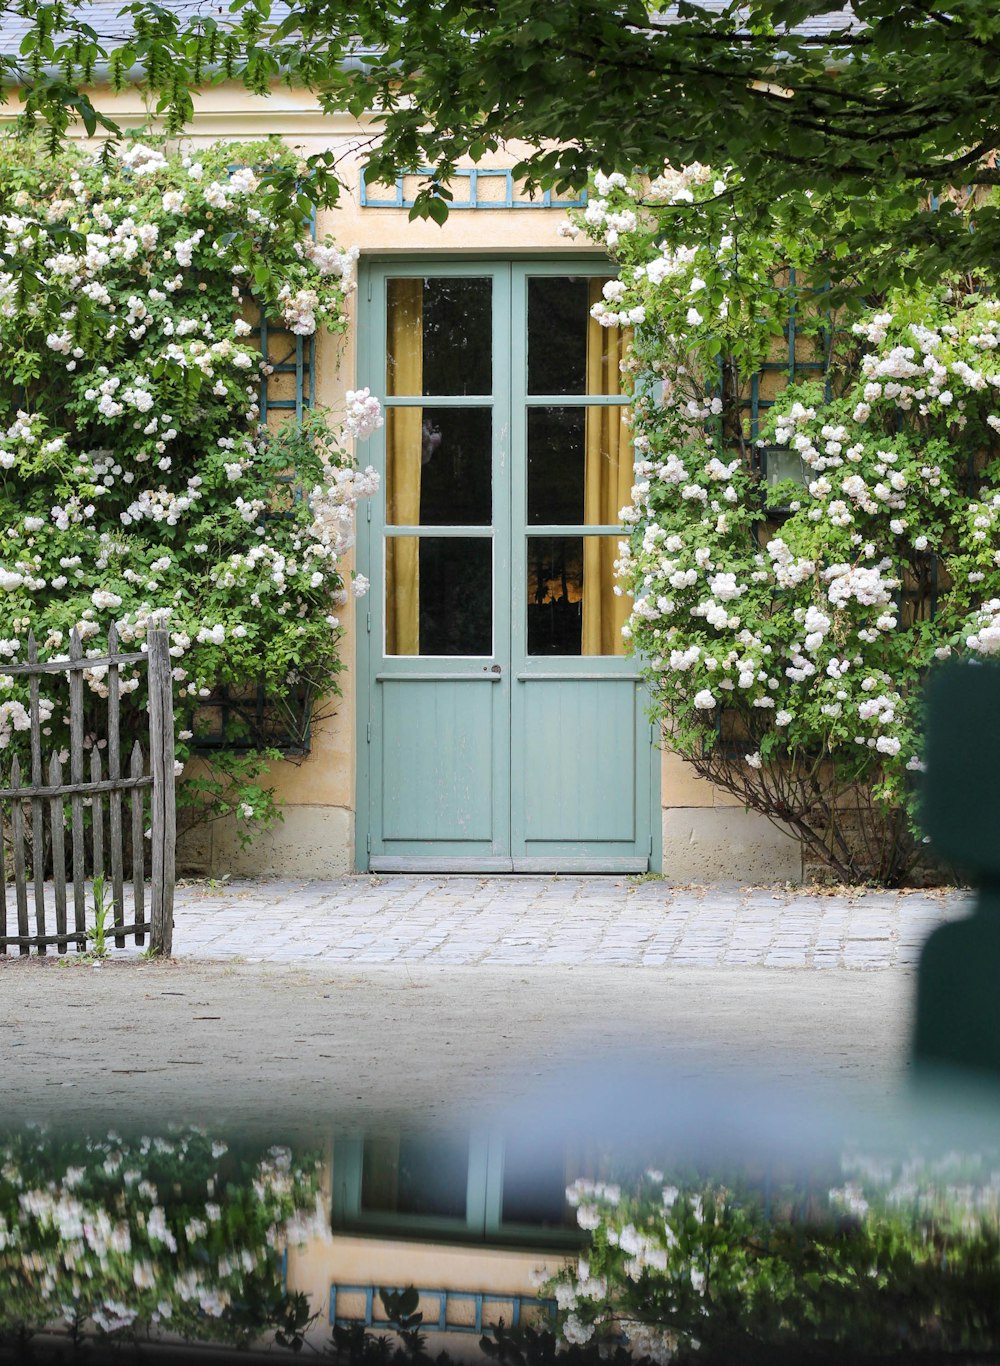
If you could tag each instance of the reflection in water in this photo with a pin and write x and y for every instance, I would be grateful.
(796, 1243)
(177, 1235)
(891, 1256)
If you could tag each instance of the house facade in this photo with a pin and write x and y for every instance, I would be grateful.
(490, 720)
(474, 1220)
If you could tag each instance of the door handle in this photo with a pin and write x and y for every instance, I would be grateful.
(492, 669)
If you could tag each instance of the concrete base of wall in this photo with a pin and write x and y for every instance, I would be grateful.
(713, 844)
(700, 844)
(311, 842)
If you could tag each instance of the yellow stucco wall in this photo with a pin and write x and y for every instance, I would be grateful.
(345, 1259)
(317, 834)
(348, 1259)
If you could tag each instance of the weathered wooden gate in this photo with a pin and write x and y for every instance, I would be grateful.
(33, 808)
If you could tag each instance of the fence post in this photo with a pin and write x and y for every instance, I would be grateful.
(37, 809)
(164, 818)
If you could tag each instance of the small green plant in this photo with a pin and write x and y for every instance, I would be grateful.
(358, 1345)
(401, 1311)
(102, 907)
(293, 1319)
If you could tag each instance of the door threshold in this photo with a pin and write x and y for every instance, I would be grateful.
(390, 863)
(385, 863)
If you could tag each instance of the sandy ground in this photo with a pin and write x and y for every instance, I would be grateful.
(288, 1049)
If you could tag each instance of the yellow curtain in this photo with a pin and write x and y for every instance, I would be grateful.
(607, 488)
(404, 323)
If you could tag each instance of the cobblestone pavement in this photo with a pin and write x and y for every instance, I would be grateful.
(552, 921)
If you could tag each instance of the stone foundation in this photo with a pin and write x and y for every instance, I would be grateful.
(713, 844)
(311, 842)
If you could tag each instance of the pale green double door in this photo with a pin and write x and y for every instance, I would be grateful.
(501, 726)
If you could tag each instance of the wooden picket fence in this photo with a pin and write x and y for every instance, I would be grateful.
(37, 808)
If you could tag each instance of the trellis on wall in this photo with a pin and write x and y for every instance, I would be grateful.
(490, 188)
(286, 355)
(246, 720)
(802, 355)
(774, 463)
(807, 356)
(444, 1311)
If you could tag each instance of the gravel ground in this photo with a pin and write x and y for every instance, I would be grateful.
(284, 1048)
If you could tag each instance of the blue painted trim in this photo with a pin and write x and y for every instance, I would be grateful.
(302, 366)
(300, 362)
(446, 1298)
(370, 362)
(473, 175)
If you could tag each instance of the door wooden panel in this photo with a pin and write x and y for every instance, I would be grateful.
(577, 781)
(437, 762)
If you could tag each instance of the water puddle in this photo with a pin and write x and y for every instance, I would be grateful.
(655, 1217)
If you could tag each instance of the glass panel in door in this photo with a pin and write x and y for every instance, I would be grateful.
(439, 335)
(572, 607)
(439, 466)
(439, 596)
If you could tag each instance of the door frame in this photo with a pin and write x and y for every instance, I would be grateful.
(366, 368)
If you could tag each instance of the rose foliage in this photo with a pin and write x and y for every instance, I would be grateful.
(177, 1232)
(887, 1258)
(137, 487)
(797, 568)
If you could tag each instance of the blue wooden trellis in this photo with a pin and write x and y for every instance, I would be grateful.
(296, 355)
(474, 176)
(300, 361)
(480, 1300)
(793, 369)
(924, 594)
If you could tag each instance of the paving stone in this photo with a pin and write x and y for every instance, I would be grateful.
(570, 921)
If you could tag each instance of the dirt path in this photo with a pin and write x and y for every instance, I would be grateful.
(282, 1048)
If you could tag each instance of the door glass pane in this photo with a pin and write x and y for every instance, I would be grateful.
(439, 336)
(572, 606)
(534, 1185)
(568, 351)
(439, 466)
(415, 1175)
(785, 465)
(579, 465)
(438, 595)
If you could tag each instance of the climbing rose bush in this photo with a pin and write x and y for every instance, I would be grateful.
(137, 486)
(130, 1234)
(791, 593)
(876, 1254)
